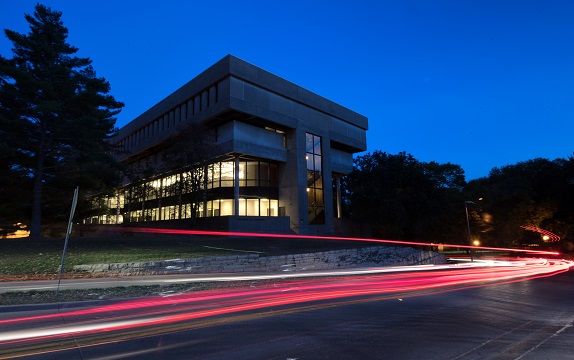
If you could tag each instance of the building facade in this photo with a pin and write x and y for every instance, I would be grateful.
(281, 150)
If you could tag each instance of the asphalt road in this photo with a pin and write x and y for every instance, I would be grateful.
(124, 281)
(522, 320)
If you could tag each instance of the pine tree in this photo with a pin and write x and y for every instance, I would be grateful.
(57, 116)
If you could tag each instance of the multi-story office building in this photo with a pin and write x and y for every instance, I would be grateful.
(281, 150)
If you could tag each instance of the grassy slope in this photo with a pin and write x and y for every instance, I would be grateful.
(37, 258)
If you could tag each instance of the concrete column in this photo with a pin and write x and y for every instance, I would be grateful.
(180, 193)
(212, 95)
(196, 104)
(204, 100)
(236, 187)
(190, 108)
(117, 194)
(183, 111)
(177, 115)
(339, 207)
(204, 191)
(160, 196)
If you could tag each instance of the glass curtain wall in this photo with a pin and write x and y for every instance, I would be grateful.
(168, 198)
(257, 188)
(316, 203)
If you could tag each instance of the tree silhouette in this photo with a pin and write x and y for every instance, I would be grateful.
(188, 155)
(57, 114)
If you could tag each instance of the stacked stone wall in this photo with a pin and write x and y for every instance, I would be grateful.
(375, 256)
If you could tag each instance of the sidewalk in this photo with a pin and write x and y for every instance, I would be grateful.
(111, 282)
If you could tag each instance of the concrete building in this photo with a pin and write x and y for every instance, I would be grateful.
(281, 151)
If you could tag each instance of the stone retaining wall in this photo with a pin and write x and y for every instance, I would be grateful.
(337, 259)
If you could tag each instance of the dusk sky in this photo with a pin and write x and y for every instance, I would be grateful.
(480, 84)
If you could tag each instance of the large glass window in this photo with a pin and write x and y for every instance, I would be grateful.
(252, 207)
(171, 185)
(170, 213)
(168, 197)
(242, 207)
(226, 207)
(249, 207)
(211, 175)
(227, 170)
(316, 203)
(251, 173)
(192, 181)
(264, 208)
(212, 208)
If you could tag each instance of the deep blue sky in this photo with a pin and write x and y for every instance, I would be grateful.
(477, 83)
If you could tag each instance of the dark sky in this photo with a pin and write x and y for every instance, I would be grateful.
(480, 84)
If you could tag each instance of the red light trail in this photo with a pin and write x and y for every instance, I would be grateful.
(341, 238)
(22, 336)
(551, 236)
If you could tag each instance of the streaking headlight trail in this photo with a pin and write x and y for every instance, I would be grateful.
(70, 328)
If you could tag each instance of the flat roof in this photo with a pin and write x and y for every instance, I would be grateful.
(231, 66)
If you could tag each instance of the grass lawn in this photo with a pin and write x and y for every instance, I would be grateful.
(43, 257)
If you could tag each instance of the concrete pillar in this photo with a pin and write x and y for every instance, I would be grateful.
(172, 118)
(197, 104)
(189, 108)
(117, 195)
(339, 207)
(177, 115)
(205, 178)
(236, 187)
(160, 196)
(212, 95)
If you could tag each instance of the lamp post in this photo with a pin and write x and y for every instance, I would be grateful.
(466, 202)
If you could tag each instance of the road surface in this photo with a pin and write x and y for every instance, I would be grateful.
(415, 319)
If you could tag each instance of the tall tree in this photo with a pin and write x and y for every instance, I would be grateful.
(404, 198)
(141, 190)
(191, 149)
(530, 193)
(59, 112)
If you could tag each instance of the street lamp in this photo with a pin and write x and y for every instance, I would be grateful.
(466, 202)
